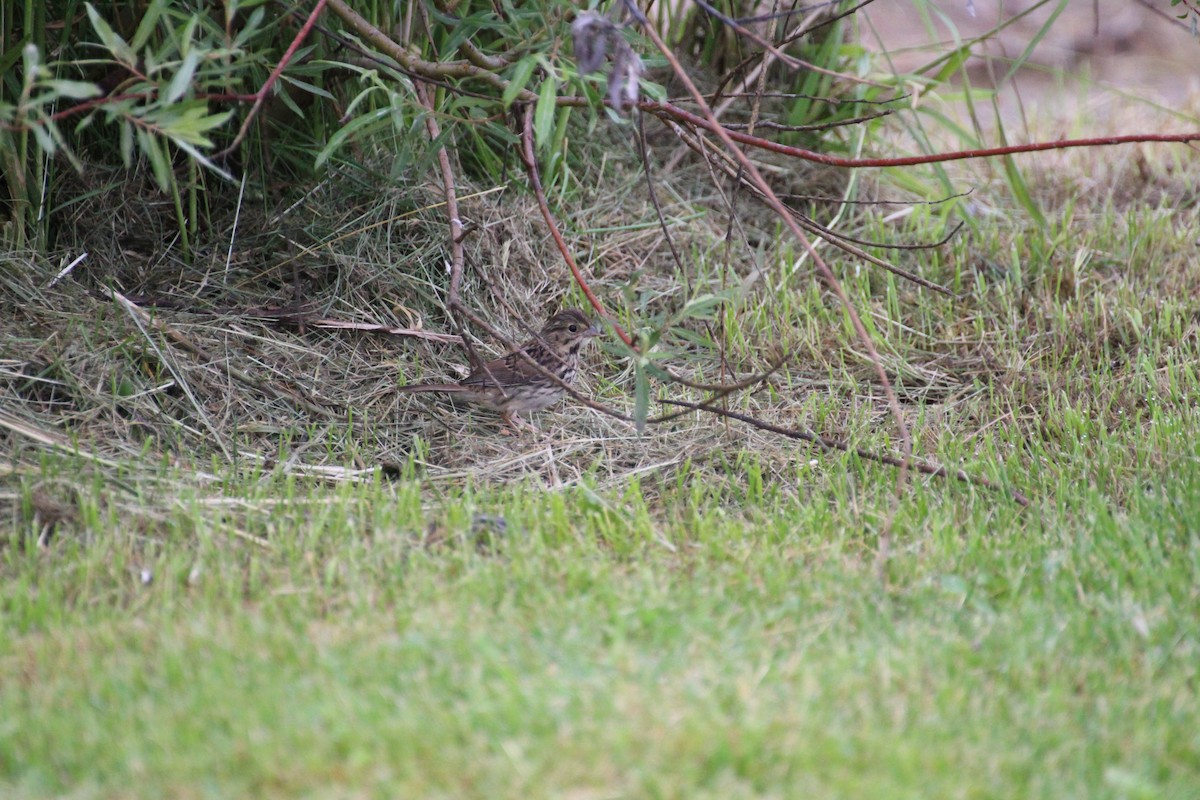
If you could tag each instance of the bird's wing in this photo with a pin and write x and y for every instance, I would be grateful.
(509, 370)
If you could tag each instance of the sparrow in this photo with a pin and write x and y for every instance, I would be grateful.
(509, 385)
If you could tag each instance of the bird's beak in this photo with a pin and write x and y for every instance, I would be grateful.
(595, 330)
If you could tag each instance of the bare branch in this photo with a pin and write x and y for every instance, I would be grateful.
(923, 466)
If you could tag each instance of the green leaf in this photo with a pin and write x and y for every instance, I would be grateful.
(357, 100)
(76, 90)
(1033, 43)
(701, 306)
(462, 29)
(252, 24)
(200, 157)
(127, 143)
(954, 61)
(189, 33)
(308, 87)
(349, 129)
(188, 122)
(521, 73)
(641, 407)
(44, 140)
(111, 40)
(1020, 190)
(146, 26)
(560, 129)
(653, 91)
(153, 150)
(182, 79)
(543, 114)
(286, 98)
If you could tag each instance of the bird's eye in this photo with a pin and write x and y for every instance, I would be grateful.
(573, 328)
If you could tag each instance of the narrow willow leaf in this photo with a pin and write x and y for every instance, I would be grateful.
(1033, 43)
(342, 134)
(559, 145)
(543, 114)
(111, 40)
(153, 152)
(286, 98)
(701, 306)
(127, 143)
(76, 90)
(189, 34)
(521, 73)
(206, 162)
(641, 407)
(183, 78)
(146, 26)
(44, 139)
(63, 146)
(253, 23)
(954, 62)
(308, 87)
(192, 125)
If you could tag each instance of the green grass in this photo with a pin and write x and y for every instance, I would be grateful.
(721, 625)
(598, 645)
(701, 611)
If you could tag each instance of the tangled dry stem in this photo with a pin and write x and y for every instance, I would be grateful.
(194, 377)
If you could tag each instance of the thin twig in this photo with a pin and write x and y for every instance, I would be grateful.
(416, 66)
(825, 126)
(790, 61)
(668, 110)
(260, 96)
(723, 161)
(643, 151)
(777, 205)
(457, 259)
(920, 465)
(535, 182)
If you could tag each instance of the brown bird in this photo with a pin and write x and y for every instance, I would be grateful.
(510, 385)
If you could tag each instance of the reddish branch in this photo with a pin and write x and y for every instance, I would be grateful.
(668, 110)
(535, 181)
(784, 214)
(260, 96)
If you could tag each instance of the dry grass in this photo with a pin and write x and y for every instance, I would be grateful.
(81, 366)
(212, 375)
